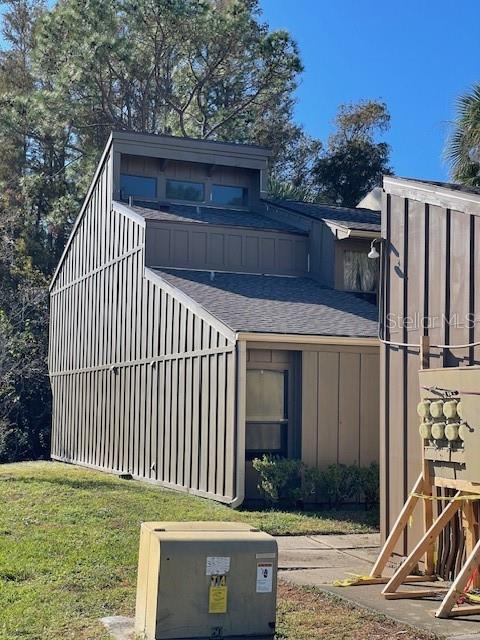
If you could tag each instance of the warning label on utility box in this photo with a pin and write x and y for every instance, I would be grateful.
(264, 577)
(217, 565)
(217, 596)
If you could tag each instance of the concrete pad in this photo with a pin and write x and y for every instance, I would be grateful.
(119, 627)
(318, 577)
(296, 542)
(366, 555)
(335, 557)
(321, 558)
(417, 613)
(350, 541)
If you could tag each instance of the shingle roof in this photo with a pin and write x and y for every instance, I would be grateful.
(351, 218)
(276, 304)
(211, 215)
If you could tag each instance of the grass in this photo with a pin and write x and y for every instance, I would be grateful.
(69, 539)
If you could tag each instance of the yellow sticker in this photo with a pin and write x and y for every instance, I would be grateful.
(217, 596)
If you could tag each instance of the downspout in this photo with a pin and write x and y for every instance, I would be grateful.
(240, 407)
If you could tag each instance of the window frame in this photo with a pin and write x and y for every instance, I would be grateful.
(144, 177)
(284, 424)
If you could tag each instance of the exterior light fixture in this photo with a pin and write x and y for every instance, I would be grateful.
(373, 254)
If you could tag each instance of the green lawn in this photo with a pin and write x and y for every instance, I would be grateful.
(69, 539)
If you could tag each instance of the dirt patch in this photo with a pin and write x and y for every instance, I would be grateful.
(308, 614)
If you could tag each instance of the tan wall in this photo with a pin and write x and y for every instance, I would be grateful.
(277, 360)
(340, 406)
(227, 249)
(196, 172)
(431, 266)
(142, 383)
(337, 410)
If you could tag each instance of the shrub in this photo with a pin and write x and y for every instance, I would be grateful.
(286, 480)
(313, 484)
(279, 478)
(341, 484)
(370, 484)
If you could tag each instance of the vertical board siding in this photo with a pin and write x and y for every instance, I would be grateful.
(173, 245)
(338, 419)
(340, 413)
(429, 279)
(140, 383)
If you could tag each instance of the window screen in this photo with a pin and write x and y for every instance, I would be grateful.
(360, 273)
(233, 196)
(137, 186)
(265, 395)
(185, 190)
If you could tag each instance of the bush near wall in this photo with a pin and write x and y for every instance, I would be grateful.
(284, 480)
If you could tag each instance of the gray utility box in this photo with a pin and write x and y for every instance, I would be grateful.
(205, 580)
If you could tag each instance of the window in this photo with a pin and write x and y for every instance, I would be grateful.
(230, 196)
(137, 186)
(360, 273)
(265, 395)
(184, 190)
(267, 423)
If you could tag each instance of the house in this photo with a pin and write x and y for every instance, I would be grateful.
(196, 325)
(431, 264)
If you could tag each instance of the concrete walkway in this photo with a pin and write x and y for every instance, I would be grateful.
(319, 560)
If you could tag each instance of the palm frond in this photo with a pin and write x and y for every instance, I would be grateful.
(465, 138)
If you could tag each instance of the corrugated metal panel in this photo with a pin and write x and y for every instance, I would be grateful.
(139, 379)
(430, 266)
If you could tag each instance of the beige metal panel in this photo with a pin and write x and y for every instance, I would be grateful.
(437, 280)
(181, 425)
(204, 425)
(396, 416)
(225, 249)
(329, 398)
(113, 410)
(212, 424)
(174, 422)
(196, 413)
(231, 416)
(293, 342)
(309, 407)
(239, 364)
(369, 408)
(167, 421)
(460, 263)
(349, 409)
(219, 460)
(475, 275)
(415, 254)
(340, 405)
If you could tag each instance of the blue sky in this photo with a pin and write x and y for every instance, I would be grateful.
(416, 55)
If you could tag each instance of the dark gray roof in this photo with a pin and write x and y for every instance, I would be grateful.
(276, 304)
(351, 218)
(447, 185)
(211, 215)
